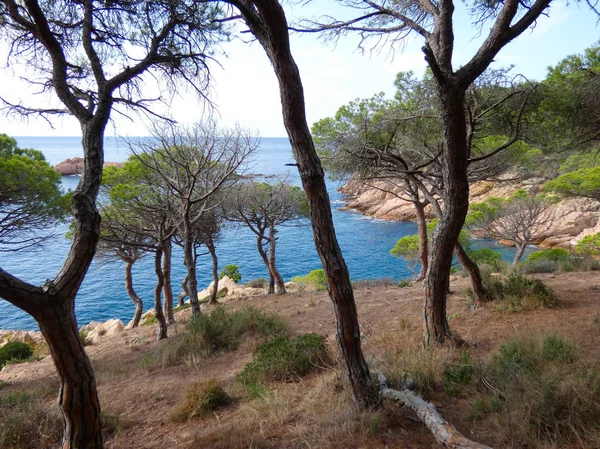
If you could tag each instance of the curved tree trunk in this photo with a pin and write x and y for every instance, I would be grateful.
(158, 310)
(215, 273)
(168, 291)
(456, 205)
(520, 251)
(272, 266)
(184, 293)
(78, 398)
(266, 20)
(472, 269)
(139, 305)
(265, 259)
(190, 263)
(423, 239)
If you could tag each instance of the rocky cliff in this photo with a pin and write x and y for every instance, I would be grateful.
(576, 217)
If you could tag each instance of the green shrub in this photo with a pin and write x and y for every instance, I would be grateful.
(404, 283)
(257, 283)
(520, 292)
(516, 357)
(182, 307)
(26, 424)
(539, 266)
(458, 374)
(201, 399)
(219, 331)
(15, 350)
(315, 279)
(555, 348)
(555, 254)
(232, 272)
(285, 359)
(489, 257)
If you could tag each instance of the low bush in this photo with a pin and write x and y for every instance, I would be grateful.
(457, 374)
(315, 279)
(26, 424)
(285, 359)
(201, 399)
(540, 266)
(404, 283)
(257, 283)
(519, 292)
(14, 351)
(555, 254)
(232, 272)
(489, 257)
(557, 349)
(219, 331)
(372, 283)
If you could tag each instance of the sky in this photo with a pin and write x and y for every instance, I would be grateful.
(244, 89)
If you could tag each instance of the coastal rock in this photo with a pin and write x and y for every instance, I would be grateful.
(107, 328)
(574, 219)
(232, 289)
(31, 337)
(74, 166)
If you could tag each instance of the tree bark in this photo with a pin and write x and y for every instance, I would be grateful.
(184, 293)
(139, 305)
(158, 310)
(215, 273)
(266, 20)
(520, 250)
(423, 239)
(272, 265)
(265, 259)
(472, 269)
(190, 263)
(456, 205)
(168, 290)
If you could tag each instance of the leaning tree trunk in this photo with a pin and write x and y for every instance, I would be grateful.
(265, 259)
(266, 20)
(272, 265)
(472, 269)
(158, 310)
(215, 273)
(139, 305)
(456, 205)
(520, 251)
(190, 263)
(423, 239)
(168, 291)
(184, 293)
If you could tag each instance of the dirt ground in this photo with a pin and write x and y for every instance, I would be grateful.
(144, 399)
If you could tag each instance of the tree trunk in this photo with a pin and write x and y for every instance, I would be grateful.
(190, 263)
(266, 19)
(265, 259)
(184, 293)
(139, 305)
(456, 205)
(472, 269)
(520, 250)
(423, 239)
(78, 398)
(158, 310)
(272, 266)
(168, 291)
(215, 273)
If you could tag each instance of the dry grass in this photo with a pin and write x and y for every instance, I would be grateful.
(200, 399)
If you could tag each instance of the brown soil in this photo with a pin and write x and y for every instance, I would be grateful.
(307, 414)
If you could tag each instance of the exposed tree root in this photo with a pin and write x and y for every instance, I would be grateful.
(443, 432)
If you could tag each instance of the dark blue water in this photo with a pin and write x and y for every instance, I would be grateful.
(365, 244)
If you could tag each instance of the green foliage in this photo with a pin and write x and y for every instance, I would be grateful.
(232, 272)
(26, 424)
(285, 359)
(555, 254)
(404, 283)
(546, 261)
(584, 182)
(458, 374)
(315, 279)
(589, 245)
(519, 292)
(201, 399)
(557, 349)
(220, 331)
(489, 257)
(15, 350)
(32, 198)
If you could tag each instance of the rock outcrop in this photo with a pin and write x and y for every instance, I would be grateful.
(575, 217)
(231, 289)
(74, 166)
(95, 330)
(31, 337)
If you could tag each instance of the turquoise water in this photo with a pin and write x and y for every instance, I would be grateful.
(365, 244)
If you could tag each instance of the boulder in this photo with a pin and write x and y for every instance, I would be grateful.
(74, 166)
(110, 327)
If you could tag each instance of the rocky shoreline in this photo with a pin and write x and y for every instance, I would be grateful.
(579, 217)
(74, 166)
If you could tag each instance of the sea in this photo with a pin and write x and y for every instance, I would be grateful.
(365, 242)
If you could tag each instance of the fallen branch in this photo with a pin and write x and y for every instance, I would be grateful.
(443, 432)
